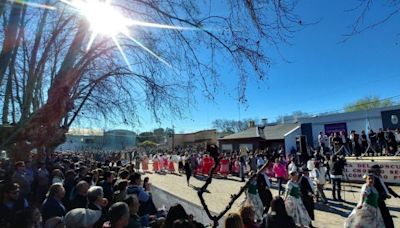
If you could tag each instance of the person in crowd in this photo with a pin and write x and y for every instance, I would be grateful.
(107, 185)
(292, 164)
(373, 139)
(134, 219)
(29, 172)
(81, 217)
(391, 144)
(242, 162)
(260, 161)
(318, 177)
(183, 223)
(293, 203)
(397, 135)
(21, 179)
(147, 184)
(58, 176)
(95, 197)
(171, 166)
(52, 206)
(336, 142)
(147, 206)
(42, 182)
(119, 216)
(336, 174)
(120, 191)
(381, 139)
(137, 163)
(278, 217)
(367, 212)
(80, 199)
(263, 188)
(145, 163)
(307, 192)
(181, 159)
(252, 197)
(385, 192)
(364, 141)
(233, 220)
(11, 202)
(188, 170)
(28, 218)
(69, 184)
(280, 173)
(248, 215)
(175, 212)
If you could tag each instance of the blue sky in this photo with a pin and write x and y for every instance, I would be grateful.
(322, 75)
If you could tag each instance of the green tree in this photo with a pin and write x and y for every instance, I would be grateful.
(368, 102)
(148, 145)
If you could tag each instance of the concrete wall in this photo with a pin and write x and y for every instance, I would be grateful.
(163, 198)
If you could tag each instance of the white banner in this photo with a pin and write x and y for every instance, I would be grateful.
(355, 170)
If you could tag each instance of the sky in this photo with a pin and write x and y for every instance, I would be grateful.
(322, 74)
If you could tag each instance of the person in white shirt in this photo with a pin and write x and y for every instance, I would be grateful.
(292, 166)
(318, 177)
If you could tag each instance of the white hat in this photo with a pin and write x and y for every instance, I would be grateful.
(81, 217)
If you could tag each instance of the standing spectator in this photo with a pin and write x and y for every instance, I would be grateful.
(69, 184)
(52, 206)
(336, 173)
(11, 202)
(146, 203)
(81, 217)
(373, 139)
(119, 216)
(22, 179)
(42, 181)
(278, 218)
(107, 185)
(80, 199)
(260, 161)
(381, 139)
(133, 204)
(280, 173)
(364, 141)
(120, 191)
(97, 203)
(397, 135)
(233, 220)
(58, 176)
(29, 218)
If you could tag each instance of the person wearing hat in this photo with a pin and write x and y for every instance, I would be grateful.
(367, 212)
(81, 217)
(307, 192)
(384, 193)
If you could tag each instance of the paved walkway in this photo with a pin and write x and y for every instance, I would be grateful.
(220, 191)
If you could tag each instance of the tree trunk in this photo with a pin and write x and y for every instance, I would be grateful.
(43, 129)
(10, 38)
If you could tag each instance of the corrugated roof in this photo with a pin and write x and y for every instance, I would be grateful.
(269, 133)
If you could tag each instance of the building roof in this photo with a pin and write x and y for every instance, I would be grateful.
(274, 132)
(85, 132)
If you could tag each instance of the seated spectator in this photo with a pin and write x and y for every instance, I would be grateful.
(28, 217)
(119, 216)
(278, 217)
(80, 199)
(81, 217)
(52, 206)
(234, 221)
(11, 202)
(248, 217)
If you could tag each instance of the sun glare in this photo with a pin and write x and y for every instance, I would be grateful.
(104, 19)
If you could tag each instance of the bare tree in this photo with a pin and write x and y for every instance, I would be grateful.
(57, 81)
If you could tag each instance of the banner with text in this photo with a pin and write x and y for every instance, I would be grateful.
(355, 170)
